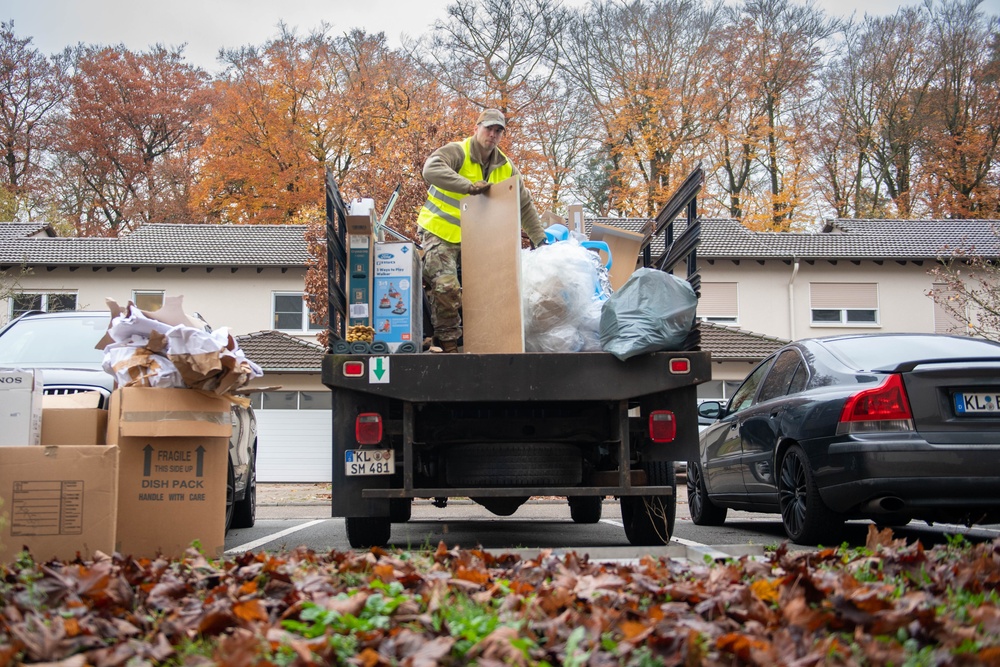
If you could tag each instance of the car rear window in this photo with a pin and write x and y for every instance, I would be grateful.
(866, 353)
(48, 341)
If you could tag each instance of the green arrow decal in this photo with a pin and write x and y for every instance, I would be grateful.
(379, 371)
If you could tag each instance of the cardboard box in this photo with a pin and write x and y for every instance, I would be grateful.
(396, 295)
(74, 419)
(172, 470)
(58, 501)
(20, 407)
(360, 240)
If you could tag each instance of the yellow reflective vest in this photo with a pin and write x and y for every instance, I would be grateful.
(441, 214)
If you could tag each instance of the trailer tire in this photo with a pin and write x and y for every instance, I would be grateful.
(649, 520)
(365, 532)
(400, 510)
(496, 464)
(586, 509)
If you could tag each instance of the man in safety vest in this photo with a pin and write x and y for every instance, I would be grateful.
(452, 172)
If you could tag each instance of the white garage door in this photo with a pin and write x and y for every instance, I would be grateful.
(294, 437)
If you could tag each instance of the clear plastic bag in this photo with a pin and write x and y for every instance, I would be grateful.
(562, 290)
(652, 311)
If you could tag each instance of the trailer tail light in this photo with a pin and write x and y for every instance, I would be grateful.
(879, 409)
(662, 426)
(680, 366)
(368, 428)
(354, 369)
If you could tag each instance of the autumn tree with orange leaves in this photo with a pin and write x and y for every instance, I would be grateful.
(127, 137)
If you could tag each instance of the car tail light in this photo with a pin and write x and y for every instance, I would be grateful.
(881, 408)
(354, 369)
(680, 366)
(662, 426)
(368, 428)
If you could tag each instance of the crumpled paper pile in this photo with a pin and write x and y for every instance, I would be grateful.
(166, 348)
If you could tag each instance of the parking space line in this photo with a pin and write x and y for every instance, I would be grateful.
(673, 538)
(274, 536)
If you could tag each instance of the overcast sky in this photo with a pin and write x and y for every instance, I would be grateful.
(208, 25)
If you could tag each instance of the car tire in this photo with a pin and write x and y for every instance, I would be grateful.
(703, 511)
(245, 511)
(804, 516)
(366, 532)
(586, 509)
(649, 520)
(230, 495)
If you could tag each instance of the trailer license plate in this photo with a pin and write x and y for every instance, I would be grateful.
(970, 403)
(369, 462)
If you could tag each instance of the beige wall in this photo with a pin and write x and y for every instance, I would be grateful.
(770, 301)
(239, 300)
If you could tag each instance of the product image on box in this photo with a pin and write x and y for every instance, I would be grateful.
(396, 293)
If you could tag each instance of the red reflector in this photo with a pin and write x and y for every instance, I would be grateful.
(662, 426)
(368, 428)
(354, 369)
(886, 401)
(680, 366)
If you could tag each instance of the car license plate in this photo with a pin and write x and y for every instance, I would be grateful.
(369, 462)
(973, 403)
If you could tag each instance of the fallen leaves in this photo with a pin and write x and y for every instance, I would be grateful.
(888, 603)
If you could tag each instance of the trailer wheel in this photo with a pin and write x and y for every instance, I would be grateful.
(586, 509)
(649, 520)
(491, 464)
(400, 510)
(365, 532)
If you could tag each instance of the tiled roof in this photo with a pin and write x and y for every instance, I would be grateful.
(167, 245)
(276, 352)
(847, 239)
(16, 230)
(735, 344)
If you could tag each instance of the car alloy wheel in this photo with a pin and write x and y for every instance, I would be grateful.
(703, 511)
(805, 518)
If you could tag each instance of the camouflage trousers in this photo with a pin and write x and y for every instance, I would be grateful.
(441, 264)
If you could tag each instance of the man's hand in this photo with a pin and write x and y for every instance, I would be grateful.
(479, 187)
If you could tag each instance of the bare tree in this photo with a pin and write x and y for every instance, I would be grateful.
(963, 139)
(787, 43)
(31, 89)
(647, 69)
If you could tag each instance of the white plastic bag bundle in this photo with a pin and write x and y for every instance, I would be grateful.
(561, 296)
(652, 311)
(148, 352)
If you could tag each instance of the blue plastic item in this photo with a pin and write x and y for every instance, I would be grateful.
(599, 245)
(556, 232)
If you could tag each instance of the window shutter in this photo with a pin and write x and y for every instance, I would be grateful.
(844, 295)
(945, 322)
(718, 300)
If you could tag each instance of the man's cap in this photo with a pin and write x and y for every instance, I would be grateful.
(492, 117)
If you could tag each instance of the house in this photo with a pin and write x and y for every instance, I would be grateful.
(758, 290)
(854, 276)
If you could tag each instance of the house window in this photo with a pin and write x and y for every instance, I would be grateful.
(844, 304)
(148, 301)
(719, 302)
(49, 302)
(950, 316)
(292, 400)
(292, 314)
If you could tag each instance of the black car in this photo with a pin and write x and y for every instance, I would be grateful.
(887, 427)
(62, 345)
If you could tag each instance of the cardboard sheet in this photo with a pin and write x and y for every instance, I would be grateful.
(491, 270)
(624, 246)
